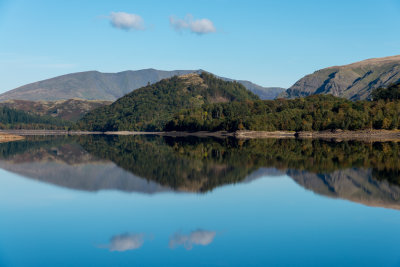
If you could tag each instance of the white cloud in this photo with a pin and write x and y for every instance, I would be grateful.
(198, 237)
(199, 26)
(126, 21)
(125, 242)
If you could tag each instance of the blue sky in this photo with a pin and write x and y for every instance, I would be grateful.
(272, 43)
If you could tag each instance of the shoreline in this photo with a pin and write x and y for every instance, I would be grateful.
(365, 135)
(362, 135)
(333, 135)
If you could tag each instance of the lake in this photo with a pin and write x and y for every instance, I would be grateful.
(188, 201)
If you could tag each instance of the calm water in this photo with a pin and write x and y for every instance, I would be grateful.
(154, 201)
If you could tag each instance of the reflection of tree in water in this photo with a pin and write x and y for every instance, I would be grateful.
(209, 162)
(355, 171)
(352, 170)
(189, 164)
(31, 144)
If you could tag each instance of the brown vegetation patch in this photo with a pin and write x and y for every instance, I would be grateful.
(4, 137)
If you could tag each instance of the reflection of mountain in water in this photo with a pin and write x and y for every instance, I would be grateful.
(356, 185)
(367, 173)
(63, 162)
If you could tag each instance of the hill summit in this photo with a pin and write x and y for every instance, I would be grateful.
(151, 107)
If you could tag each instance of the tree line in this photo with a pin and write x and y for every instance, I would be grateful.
(312, 113)
(18, 119)
(211, 104)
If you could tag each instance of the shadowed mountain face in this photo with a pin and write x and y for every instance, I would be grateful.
(366, 173)
(94, 85)
(354, 81)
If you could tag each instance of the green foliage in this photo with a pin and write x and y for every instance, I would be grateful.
(18, 119)
(313, 113)
(187, 164)
(205, 103)
(201, 164)
(390, 93)
(150, 108)
(30, 145)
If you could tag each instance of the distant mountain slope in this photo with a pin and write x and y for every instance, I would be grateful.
(354, 81)
(72, 109)
(265, 93)
(94, 85)
(151, 107)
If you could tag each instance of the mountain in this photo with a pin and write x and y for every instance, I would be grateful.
(354, 81)
(150, 108)
(71, 109)
(94, 85)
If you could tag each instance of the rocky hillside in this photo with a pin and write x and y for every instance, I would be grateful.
(151, 107)
(72, 109)
(94, 85)
(355, 81)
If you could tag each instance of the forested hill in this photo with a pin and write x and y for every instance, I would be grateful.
(71, 109)
(18, 119)
(151, 107)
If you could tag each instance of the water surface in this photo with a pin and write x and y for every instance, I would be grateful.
(162, 201)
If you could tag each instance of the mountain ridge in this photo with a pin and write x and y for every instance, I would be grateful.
(96, 85)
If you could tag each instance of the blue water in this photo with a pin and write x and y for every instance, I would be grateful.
(270, 221)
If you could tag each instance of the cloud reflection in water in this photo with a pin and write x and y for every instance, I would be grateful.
(125, 242)
(198, 237)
